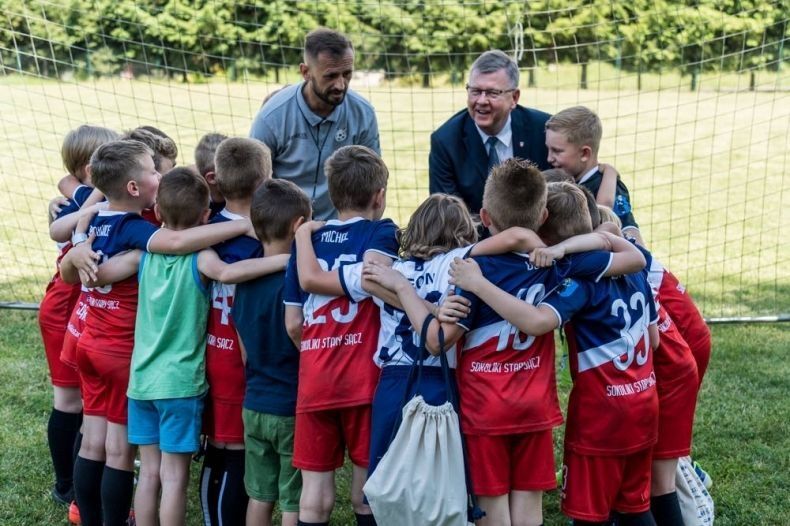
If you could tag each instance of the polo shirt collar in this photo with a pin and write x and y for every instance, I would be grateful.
(310, 117)
(505, 135)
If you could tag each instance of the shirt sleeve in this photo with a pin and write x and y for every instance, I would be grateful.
(135, 232)
(384, 239)
(68, 209)
(569, 298)
(622, 206)
(263, 132)
(585, 265)
(369, 135)
(351, 280)
(292, 293)
(81, 194)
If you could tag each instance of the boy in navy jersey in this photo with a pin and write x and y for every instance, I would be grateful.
(272, 361)
(124, 172)
(204, 162)
(337, 376)
(613, 407)
(573, 137)
(242, 165)
(53, 316)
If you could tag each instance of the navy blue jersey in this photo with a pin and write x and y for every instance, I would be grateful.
(622, 199)
(613, 406)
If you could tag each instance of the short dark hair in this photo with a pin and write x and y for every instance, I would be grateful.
(242, 165)
(277, 203)
(115, 163)
(568, 213)
(324, 40)
(162, 146)
(205, 150)
(182, 197)
(354, 174)
(515, 195)
(493, 61)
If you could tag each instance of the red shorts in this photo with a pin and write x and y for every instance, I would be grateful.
(677, 401)
(53, 316)
(104, 379)
(688, 319)
(594, 486)
(74, 328)
(322, 436)
(500, 464)
(222, 421)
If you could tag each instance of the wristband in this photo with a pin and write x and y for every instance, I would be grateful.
(78, 237)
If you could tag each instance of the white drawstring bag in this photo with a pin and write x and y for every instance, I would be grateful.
(421, 478)
(696, 504)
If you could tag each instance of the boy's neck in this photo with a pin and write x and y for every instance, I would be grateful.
(345, 215)
(589, 165)
(277, 247)
(239, 206)
(123, 205)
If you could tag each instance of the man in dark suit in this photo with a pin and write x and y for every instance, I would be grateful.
(461, 149)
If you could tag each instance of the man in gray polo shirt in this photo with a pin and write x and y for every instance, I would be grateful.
(305, 123)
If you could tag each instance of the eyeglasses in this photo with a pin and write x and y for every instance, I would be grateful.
(491, 94)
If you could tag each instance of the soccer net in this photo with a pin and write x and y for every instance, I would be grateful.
(694, 98)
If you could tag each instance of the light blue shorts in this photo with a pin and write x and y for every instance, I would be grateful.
(173, 423)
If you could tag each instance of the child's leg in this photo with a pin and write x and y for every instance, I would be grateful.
(117, 485)
(146, 496)
(318, 496)
(62, 431)
(89, 468)
(497, 510)
(175, 479)
(663, 495)
(232, 499)
(359, 474)
(259, 513)
(526, 508)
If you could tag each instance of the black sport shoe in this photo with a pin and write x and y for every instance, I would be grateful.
(63, 499)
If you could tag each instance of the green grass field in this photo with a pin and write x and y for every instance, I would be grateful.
(742, 433)
(707, 169)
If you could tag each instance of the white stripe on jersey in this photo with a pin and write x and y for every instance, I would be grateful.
(477, 337)
(597, 356)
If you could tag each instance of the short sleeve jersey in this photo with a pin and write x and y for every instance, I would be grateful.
(339, 335)
(221, 338)
(613, 405)
(272, 366)
(622, 199)
(78, 199)
(508, 372)
(398, 343)
(109, 328)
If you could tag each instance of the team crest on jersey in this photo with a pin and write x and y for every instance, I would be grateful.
(568, 287)
(341, 135)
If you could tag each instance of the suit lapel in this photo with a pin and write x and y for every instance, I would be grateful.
(477, 160)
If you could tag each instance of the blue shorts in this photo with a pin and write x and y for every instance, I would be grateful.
(388, 399)
(173, 423)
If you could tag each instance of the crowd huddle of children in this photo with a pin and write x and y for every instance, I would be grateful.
(211, 306)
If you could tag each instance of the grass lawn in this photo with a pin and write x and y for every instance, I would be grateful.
(742, 434)
(706, 169)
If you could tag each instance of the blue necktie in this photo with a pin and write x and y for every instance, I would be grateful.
(493, 157)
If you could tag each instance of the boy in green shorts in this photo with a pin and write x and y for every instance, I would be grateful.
(271, 360)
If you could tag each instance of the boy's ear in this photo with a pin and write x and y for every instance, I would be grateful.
(132, 188)
(544, 215)
(299, 221)
(158, 213)
(379, 199)
(485, 217)
(211, 177)
(586, 153)
(203, 218)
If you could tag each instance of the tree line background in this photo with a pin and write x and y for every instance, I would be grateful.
(419, 41)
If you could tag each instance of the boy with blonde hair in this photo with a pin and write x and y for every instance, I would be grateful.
(124, 172)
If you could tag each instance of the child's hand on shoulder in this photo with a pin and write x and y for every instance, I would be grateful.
(545, 257)
(453, 309)
(466, 274)
(85, 260)
(385, 276)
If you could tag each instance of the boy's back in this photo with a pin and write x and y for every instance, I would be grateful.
(340, 336)
(613, 405)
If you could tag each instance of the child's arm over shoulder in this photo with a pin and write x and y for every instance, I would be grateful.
(313, 278)
(117, 268)
(416, 308)
(166, 241)
(532, 320)
(80, 264)
(67, 185)
(212, 267)
(60, 230)
(514, 239)
(608, 188)
(625, 258)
